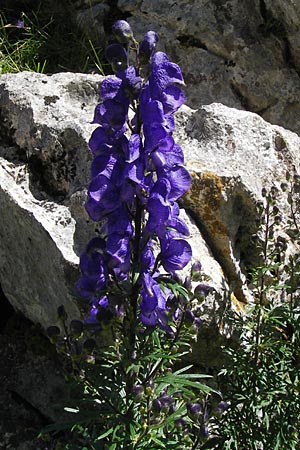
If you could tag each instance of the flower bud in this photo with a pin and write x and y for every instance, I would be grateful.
(220, 408)
(180, 423)
(202, 290)
(20, 24)
(187, 282)
(156, 405)
(53, 334)
(166, 402)
(147, 46)
(76, 328)
(274, 191)
(116, 55)
(172, 409)
(193, 409)
(122, 31)
(61, 312)
(264, 192)
(195, 271)
(189, 317)
(137, 391)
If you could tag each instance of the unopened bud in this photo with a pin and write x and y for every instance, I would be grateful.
(76, 328)
(116, 55)
(196, 271)
(221, 407)
(180, 423)
(147, 46)
(61, 312)
(166, 401)
(137, 391)
(187, 282)
(189, 317)
(122, 31)
(53, 334)
(156, 405)
(202, 290)
(193, 409)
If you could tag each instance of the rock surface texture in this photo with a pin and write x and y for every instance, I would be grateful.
(242, 53)
(44, 162)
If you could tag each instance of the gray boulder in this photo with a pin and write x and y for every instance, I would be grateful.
(44, 168)
(232, 155)
(242, 53)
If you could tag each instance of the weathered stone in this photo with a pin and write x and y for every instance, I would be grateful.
(36, 249)
(284, 17)
(244, 54)
(44, 171)
(232, 155)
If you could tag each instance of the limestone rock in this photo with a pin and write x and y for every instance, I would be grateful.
(44, 170)
(232, 155)
(242, 53)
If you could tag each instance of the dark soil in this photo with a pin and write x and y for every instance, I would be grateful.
(31, 383)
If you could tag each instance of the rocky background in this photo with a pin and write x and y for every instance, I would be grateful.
(241, 65)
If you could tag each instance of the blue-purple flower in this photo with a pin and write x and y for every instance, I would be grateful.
(137, 177)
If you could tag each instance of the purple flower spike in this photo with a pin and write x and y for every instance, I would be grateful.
(137, 176)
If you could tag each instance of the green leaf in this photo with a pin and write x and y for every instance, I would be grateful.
(105, 434)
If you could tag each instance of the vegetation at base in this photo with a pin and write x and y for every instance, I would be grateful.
(261, 378)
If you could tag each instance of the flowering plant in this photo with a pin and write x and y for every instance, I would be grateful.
(136, 394)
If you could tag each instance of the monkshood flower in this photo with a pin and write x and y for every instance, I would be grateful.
(137, 177)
